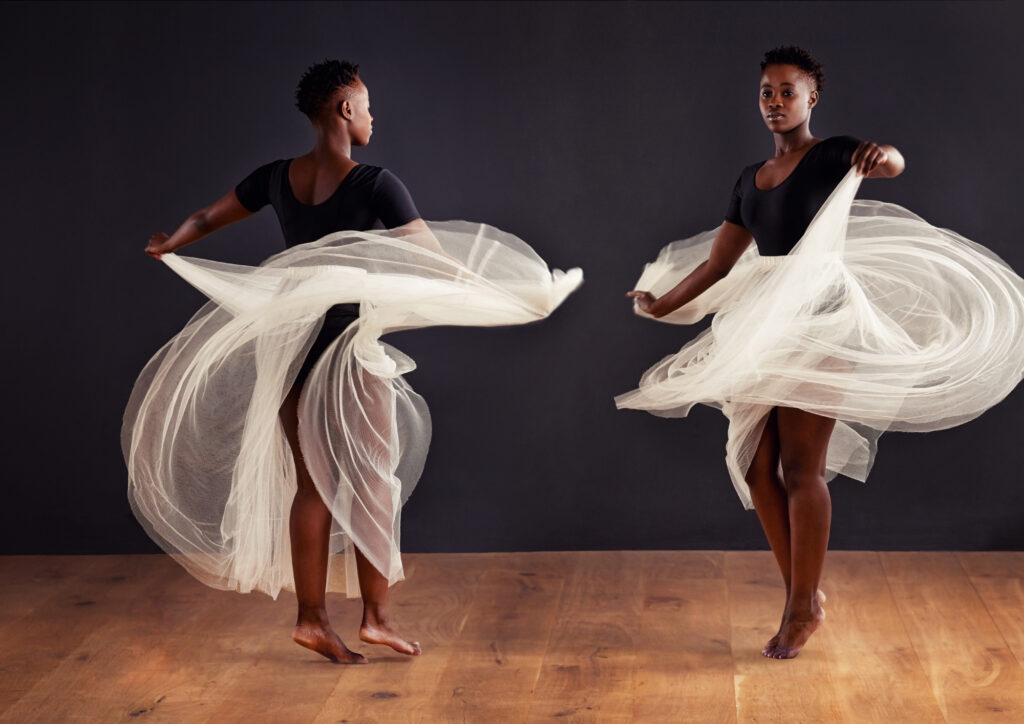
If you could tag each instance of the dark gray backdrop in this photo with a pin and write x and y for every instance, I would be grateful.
(596, 132)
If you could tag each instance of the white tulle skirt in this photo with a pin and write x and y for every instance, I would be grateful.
(211, 476)
(876, 319)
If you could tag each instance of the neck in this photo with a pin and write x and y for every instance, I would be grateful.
(793, 139)
(331, 143)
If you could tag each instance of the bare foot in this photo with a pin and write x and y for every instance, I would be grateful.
(773, 642)
(796, 630)
(325, 642)
(383, 634)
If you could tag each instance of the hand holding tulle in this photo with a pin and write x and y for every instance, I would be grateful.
(868, 157)
(643, 300)
(158, 245)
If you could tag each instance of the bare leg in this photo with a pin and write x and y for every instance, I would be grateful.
(769, 496)
(310, 530)
(375, 628)
(803, 445)
(373, 518)
(771, 502)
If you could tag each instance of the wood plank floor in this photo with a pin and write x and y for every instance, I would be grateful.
(651, 636)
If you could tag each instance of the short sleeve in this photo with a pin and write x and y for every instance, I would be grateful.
(254, 190)
(841, 148)
(391, 201)
(733, 213)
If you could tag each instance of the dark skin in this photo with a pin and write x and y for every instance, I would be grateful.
(787, 474)
(342, 123)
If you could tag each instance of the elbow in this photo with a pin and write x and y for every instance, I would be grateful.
(896, 167)
(896, 164)
(716, 272)
(201, 221)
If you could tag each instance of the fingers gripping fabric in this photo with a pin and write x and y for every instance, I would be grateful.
(211, 476)
(876, 319)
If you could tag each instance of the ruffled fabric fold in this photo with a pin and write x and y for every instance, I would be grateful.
(211, 476)
(876, 319)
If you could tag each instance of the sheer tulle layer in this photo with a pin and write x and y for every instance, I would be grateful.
(876, 318)
(211, 476)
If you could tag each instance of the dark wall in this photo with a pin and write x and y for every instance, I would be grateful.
(596, 132)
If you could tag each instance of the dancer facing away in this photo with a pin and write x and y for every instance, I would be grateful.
(772, 205)
(313, 195)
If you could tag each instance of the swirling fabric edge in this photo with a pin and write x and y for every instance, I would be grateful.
(211, 476)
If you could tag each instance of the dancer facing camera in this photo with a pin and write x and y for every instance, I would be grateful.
(845, 319)
(276, 426)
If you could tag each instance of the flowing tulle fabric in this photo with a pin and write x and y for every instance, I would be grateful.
(876, 319)
(211, 476)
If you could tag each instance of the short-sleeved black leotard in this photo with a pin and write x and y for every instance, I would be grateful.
(779, 216)
(366, 196)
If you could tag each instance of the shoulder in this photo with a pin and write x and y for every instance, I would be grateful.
(377, 178)
(746, 175)
(255, 190)
(385, 181)
(273, 166)
(840, 147)
(841, 141)
(365, 173)
(268, 172)
(383, 176)
(392, 199)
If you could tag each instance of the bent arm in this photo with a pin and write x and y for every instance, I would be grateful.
(730, 243)
(225, 210)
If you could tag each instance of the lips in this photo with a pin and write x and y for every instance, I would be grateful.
(775, 116)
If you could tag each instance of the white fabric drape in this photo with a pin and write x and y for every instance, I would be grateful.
(876, 319)
(211, 476)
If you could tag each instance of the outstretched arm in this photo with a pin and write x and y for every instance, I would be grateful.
(226, 210)
(875, 161)
(729, 245)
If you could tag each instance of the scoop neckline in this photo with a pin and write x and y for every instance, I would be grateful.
(291, 191)
(753, 178)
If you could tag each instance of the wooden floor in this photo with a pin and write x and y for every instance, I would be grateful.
(601, 636)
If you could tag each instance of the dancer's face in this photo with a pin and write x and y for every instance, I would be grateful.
(357, 111)
(787, 96)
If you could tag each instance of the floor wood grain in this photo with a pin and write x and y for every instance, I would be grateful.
(647, 636)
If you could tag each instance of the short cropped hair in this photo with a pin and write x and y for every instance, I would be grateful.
(792, 55)
(320, 81)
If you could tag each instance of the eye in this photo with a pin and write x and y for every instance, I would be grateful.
(766, 94)
(787, 92)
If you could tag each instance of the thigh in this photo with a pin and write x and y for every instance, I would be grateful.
(803, 439)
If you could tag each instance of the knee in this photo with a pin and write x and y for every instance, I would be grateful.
(758, 476)
(801, 477)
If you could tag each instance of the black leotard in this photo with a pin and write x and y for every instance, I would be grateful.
(368, 194)
(778, 217)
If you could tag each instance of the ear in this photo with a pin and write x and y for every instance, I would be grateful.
(345, 110)
(813, 99)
